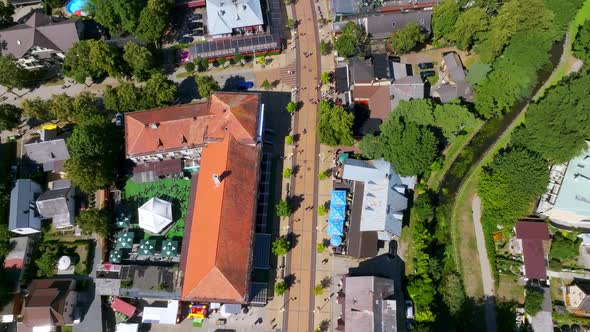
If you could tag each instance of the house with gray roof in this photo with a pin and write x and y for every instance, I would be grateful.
(47, 151)
(24, 218)
(380, 26)
(58, 203)
(455, 86)
(40, 39)
(384, 200)
(407, 88)
(369, 305)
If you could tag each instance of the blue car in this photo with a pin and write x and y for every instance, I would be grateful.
(245, 85)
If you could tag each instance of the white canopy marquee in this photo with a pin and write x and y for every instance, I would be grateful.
(155, 215)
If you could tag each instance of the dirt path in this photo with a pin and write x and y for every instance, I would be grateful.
(486, 270)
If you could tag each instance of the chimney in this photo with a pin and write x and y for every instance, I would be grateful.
(216, 180)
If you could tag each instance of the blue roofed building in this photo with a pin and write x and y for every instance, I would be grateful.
(384, 197)
(24, 218)
(567, 200)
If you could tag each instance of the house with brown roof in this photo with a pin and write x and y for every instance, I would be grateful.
(219, 140)
(41, 39)
(577, 298)
(164, 141)
(49, 303)
(534, 241)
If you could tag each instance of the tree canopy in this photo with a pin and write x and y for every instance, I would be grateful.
(470, 28)
(158, 91)
(412, 148)
(444, 16)
(13, 75)
(353, 40)
(407, 38)
(533, 301)
(37, 108)
(335, 125)
(206, 84)
(122, 98)
(281, 246)
(46, 264)
(563, 248)
(92, 58)
(5, 236)
(581, 45)
(94, 221)
(153, 20)
(557, 125)
(510, 183)
(9, 116)
(94, 149)
(6, 12)
(139, 59)
(283, 208)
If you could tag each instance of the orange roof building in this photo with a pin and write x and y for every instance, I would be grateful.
(217, 251)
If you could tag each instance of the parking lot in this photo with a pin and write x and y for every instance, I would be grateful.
(189, 25)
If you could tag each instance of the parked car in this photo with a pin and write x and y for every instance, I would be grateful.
(409, 309)
(428, 73)
(576, 328)
(425, 65)
(198, 33)
(565, 328)
(245, 85)
(195, 25)
(119, 119)
(195, 17)
(184, 39)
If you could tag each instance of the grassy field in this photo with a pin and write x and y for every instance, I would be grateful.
(509, 289)
(466, 241)
(176, 191)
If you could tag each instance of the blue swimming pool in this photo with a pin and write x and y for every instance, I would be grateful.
(76, 7)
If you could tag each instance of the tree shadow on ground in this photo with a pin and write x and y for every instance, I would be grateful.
(187, 90)
(231, 84)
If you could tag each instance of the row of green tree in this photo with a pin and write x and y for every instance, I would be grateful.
(415, 132)
(148, 20)
(522, 31)
(96, 59)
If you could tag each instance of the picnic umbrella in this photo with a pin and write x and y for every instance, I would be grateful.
(147, 247)
(335, 240)
(337, 213)
(334, 230)
(125, 240)
(169, 248)
(122, 221)
(337, 198)
(115, 256)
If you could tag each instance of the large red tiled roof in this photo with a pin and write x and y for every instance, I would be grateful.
(532, 235)
(218, 262)
(175, 127)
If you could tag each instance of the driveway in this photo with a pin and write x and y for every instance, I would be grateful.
(543, 322)
(486, 271)
(92, 318)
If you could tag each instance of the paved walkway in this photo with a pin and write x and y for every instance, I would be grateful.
(486, 271)
(300, 299)
(92, 320)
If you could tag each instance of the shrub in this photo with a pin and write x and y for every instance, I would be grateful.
(283, 209)
(190, 67)
(322, 210)
(287, 173)
(533, 300)
(280, 288)
(289, 139)
(291, 107)
(320, 248)
(318, 290)
(323, 175)
(281, 246)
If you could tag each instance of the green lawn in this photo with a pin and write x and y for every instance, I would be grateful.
(176, 191)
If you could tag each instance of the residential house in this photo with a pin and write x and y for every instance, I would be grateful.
(381, 26)
(219, 141)
(161, 314)
(17, 260)
(377, 101)
(58, 204)
(567, 200)
(48, 151)
(346, 9)
(455, 84)
(24, 218)
(225, 18)
(534, 241)
(49, 303)
(369, 305)
(577, 298)
(407, 88)
(384, 198)
(41, 40)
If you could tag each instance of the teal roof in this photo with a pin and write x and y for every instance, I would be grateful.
(574, 195)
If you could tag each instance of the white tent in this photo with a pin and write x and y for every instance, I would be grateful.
(155, 215)
(159, 315)
(64, 263)
(124, 327)
(230, 309)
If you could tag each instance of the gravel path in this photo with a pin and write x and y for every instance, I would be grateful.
(486, 271)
